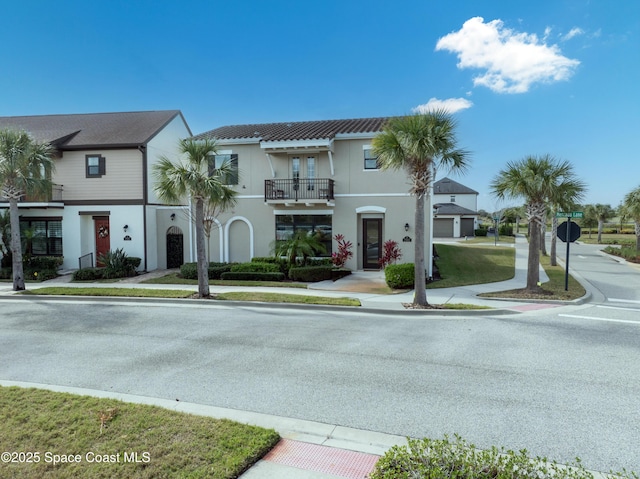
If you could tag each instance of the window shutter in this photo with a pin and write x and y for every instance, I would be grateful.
(102, 167)
(233, 178)
(211, 165)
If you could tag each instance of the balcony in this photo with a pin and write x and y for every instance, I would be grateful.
(309, 191)
(53, 196)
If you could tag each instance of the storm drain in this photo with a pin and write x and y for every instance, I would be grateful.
(324, 459)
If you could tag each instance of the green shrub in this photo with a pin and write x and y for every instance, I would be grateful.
(628, 253)
(134, 261)
(116, 264)
(189, 271)
(251, 276)
(264, 259)
(310, 274)
(399, 276)
(443, 459)
(505, 230)
(216, 269)
(255, 267)
(88, 274)
(5, 273)
(37, 263)
(40, 275)
(480, 232)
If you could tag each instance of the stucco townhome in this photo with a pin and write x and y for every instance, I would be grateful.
(314, 176)
(455, 209)
(103, 196)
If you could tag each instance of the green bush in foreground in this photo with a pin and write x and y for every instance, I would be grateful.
(251, 276)
(399, 276)
(445, 459)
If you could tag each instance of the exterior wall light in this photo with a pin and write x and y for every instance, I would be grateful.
(173, 216)
(125, 228)
(406, 226)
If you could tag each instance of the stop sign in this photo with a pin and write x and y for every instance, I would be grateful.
(562, 232)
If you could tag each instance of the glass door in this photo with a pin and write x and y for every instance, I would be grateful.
(371, 242)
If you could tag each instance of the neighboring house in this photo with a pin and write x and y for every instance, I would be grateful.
(313, 176)
(455, 209)
(103, 196)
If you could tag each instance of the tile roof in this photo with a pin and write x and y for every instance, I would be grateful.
(447, 186)
(77, 131)
(452, 209)
(300, 130)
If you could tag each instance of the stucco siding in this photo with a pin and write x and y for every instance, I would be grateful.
(165, 143)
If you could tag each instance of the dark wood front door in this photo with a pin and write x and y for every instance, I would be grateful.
(103, 234)
(371, 242)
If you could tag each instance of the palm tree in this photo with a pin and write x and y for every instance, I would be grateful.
(25, 169)
(194, 179)
(602, 214)
(302, 243)
(541, 181)
(631, 207)
(418, 144)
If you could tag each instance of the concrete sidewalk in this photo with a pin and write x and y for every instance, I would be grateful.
(357, 285)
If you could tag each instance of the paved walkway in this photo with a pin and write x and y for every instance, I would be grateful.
(310, 450)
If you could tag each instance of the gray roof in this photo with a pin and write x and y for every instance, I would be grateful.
(447, 186)
(300, 130)
(78, 131)
(453, 209)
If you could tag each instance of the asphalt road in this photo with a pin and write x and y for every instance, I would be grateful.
(559, 386)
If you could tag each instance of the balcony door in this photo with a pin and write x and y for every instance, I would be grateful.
(371, 242)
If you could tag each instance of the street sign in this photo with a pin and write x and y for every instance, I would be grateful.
(572, 214)
(574, 234)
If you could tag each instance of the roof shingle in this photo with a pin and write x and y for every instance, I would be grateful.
(447, 186)
(93, 129)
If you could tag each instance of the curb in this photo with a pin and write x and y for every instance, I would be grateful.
(259, 304)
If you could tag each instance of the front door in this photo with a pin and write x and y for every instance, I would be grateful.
(175, 248)
(103, 243)
(372, 242)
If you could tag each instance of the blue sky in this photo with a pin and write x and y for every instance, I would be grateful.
(521, 78)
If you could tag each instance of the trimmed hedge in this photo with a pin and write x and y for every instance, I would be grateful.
(37, 263)
(255, 267)
(88, 274)
(251, 276)
(480, 232)
(5, 273)
(311, 274)
(190, 270)
(399, 276)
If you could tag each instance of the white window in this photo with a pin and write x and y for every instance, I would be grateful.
(370, 161)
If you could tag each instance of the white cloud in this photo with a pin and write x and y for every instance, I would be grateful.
(512, 61)
(451, 105)
(574, 32)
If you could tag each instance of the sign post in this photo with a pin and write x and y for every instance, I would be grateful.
(566, 234)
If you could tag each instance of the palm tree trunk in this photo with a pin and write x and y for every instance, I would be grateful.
(420, 295)
(554, 240)
(543, 234)
(600, 225)
(203, 267)
(637, 235)
(533, 265)
(16, 245)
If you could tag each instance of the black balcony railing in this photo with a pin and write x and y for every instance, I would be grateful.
(299, 189)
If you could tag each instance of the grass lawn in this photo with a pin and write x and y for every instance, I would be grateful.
(488, 240)
(171, 293)
(127, 292)
(287, 298)
(174, 278)
(168, 444)
(463, 265)
(553, 289)
(608, 238)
